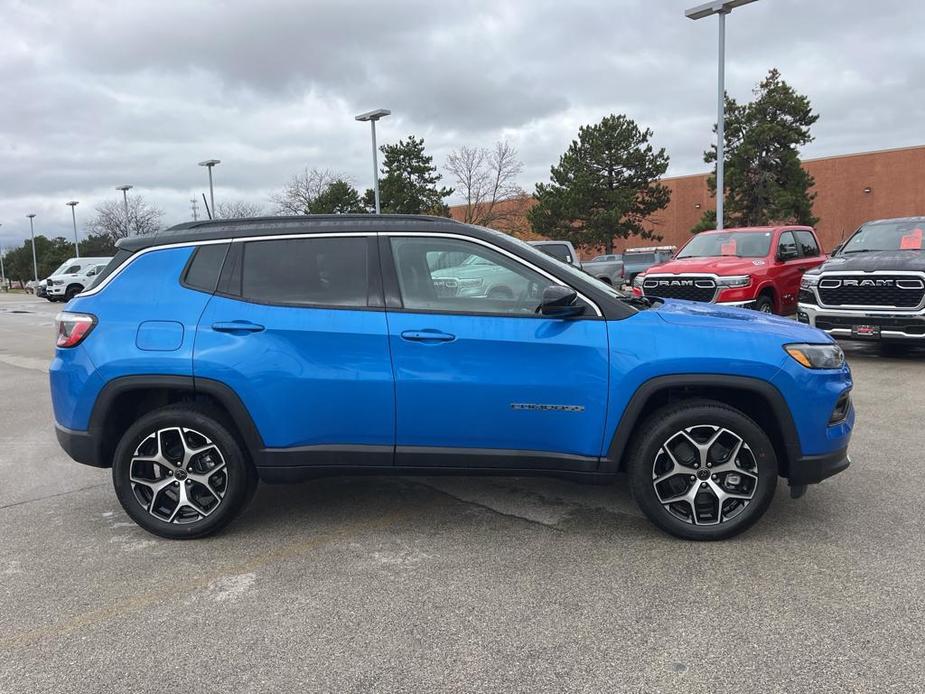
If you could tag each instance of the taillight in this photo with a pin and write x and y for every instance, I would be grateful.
(73, 328)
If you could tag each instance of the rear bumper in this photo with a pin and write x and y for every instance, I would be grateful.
(80, 445)
(812, 469)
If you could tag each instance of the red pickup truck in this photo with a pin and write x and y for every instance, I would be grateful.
(756, 267)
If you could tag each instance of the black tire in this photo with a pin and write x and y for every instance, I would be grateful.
(216, 496)
(764, 304)
(72, 291)
(647, 459)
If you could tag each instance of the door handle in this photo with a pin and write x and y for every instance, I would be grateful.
(237, 326)
(427, 336)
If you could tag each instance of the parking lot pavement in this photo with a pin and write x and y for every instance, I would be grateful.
(459, 584)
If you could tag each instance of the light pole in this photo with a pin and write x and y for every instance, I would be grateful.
(73, 204)
(125, 188)
(720, 8)
(209, 163)
(35, 262)
(372, 117)
(2, 271)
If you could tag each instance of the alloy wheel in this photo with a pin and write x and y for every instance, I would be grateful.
(178, 475)
(705, 475)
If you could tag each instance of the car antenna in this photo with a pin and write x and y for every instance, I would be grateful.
(206, 203)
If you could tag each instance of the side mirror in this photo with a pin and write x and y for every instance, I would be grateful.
(560, 302)
(788, 252)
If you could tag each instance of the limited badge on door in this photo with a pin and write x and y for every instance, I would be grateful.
(865, 330)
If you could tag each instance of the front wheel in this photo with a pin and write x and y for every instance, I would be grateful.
(180, 472)
(764, 304)
(701, 470)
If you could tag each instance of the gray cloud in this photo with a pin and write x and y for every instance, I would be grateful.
(97, 94)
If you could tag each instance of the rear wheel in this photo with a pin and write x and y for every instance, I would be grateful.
(180, 472)
(702, 470)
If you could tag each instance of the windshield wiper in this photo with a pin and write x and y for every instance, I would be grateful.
(860, 250)
(639, 301)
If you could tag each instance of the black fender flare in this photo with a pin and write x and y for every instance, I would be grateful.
(612, 461)
(221, 392)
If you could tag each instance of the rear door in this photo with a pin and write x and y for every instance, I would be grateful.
(297, 330)
(478, 373)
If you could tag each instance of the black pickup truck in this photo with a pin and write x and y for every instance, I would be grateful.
(873, 285)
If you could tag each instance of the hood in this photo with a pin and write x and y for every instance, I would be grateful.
(727, 318)
(876, 260)
(717, 265)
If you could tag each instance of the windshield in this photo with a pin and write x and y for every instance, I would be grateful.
(890, 236)
(61, 267)
(741, 244)
(559, 251)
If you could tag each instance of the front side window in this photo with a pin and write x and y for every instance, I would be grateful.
(787, 247)
(447, 275)
(807, 243)
(306, 272)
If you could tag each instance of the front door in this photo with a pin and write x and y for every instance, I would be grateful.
(478, 373)
(790, 269)
(298, 331)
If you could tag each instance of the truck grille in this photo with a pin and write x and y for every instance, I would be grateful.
(689, 288)
(899, 291)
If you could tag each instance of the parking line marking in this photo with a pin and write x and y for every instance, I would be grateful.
(127, 605)
(33, 363)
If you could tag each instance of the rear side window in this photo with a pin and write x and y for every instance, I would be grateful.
(205, 267)
(807, 243)
(557, 250)
(306, 272)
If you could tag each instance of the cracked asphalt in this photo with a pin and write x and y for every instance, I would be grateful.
(459, 584)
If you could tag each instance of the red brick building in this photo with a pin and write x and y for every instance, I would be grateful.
(850, 190)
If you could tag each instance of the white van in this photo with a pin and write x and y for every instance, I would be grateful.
(74, 275)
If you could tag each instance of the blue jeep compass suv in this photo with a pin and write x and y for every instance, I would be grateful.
(218, 353)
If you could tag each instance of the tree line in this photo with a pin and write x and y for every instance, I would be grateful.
(607, 185)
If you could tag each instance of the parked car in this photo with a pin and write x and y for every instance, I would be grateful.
(65, 287)
(606, 268)
(873, 286)
(560, 250)
(758, 268)
(476, 276)
(280, 349)
(70, 278)
(638, 260)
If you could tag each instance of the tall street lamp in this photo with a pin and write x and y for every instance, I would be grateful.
(125, 188)
(73, 204)
(35, 262)
(720, 8)
(2, 271)
(372, 117)
(209, 163)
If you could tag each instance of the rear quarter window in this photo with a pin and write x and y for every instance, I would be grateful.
(205, 266)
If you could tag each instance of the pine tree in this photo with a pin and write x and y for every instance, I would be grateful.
(606, 185)
(409, 185)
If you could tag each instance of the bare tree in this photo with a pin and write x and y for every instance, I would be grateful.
(237, 209)
(302, 190)
(488, 180)
(111, 221)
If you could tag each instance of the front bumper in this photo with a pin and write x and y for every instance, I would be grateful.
(55, 290)
(812, 469)
(894, 325)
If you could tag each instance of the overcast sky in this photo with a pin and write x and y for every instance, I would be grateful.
(96, 94)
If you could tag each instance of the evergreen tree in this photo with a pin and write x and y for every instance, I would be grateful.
(338, 197)
(764, 181)
(409, 185)
(605, 186)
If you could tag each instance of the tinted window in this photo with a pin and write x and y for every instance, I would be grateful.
(311, 272)
(484, 281)
(71, 270)
(807, 243)
(787, 244)
(640, 258)
(206, 266)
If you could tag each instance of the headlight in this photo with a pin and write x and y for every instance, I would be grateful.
(638, 280)
(470, 283)
(827, 356)
(734, 281)
(809, 281)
